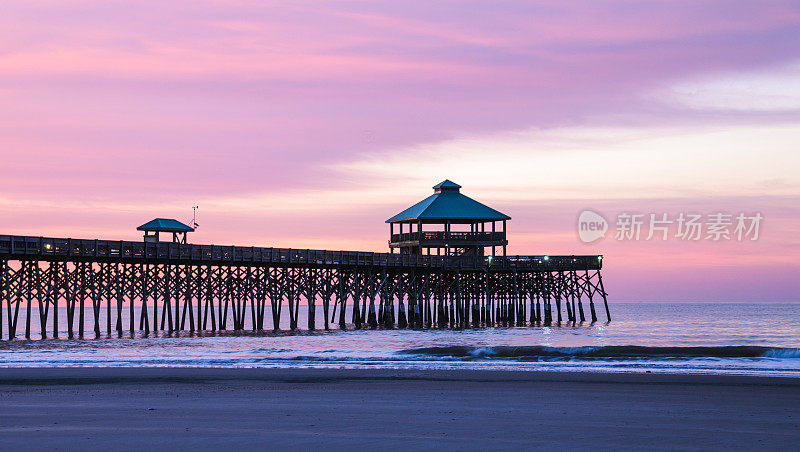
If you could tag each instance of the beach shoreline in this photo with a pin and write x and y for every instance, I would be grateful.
(207, 408)
(201, 375)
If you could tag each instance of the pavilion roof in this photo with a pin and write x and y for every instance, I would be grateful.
(447, 183)
(447, 203)
(165, 225)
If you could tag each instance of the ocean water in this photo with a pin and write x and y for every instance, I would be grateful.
(710, 338)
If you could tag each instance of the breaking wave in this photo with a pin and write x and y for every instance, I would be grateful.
(525, 353)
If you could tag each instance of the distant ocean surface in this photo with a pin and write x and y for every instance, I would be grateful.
(740, 338)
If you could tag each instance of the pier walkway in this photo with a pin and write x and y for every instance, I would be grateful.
(193, 287)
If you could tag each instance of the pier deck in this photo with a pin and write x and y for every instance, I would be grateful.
(60, 249)
(201, 287)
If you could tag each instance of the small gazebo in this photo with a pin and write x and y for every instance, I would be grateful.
(154, 227)
(449, 223)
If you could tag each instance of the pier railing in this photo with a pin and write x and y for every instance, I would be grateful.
(65, 249)
(442, 236)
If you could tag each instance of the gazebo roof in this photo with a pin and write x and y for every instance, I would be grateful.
(447, 203)
(446, 184)
(165, 225)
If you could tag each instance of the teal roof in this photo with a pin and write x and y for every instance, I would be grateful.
(447, 203)
(447, 183)
(165, 225)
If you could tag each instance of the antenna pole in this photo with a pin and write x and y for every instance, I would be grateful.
(194, 217)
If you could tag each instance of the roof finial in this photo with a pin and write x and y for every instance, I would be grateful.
(446, 185)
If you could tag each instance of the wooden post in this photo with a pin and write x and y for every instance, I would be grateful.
(373, 317)
(199, 279)
(211, 286)
(589, 291)
(356, 314)
(44, 298)
(28, 277)
(489, 302)
(326, 299)
(570, 317)
(227, 282)
(178, 296)
(548, 315)
(578, 293)
(132, 296)
(532, 301)
(156, 281)
(61, 275)
(4, 292)
(603, 293)
(475, 301)
(12, 320)
(144, 320)
(493, 247)
(167, 294)
(82, 296)
(120, 293)
(342, 298)
(402, 316)
(191, 283)
(505, 236)
(108, 297)
(98, 278)
(4, 295)
(311, 297)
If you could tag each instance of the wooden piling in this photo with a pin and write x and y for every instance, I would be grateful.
(603, 293)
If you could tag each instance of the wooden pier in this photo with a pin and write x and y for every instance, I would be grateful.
(174, 287)
(443, 278)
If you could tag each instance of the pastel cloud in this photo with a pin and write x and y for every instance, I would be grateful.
(776, 89)
(306, 124)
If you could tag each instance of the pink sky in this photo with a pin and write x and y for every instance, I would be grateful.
(307, 124)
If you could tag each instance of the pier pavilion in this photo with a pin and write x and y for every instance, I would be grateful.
(449, 223)
(171, 287)
(153, 228)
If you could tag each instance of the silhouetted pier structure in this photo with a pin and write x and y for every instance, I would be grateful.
(173, 287)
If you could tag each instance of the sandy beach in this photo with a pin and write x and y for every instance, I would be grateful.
(135, 408)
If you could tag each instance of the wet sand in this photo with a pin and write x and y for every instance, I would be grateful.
(181, 408)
